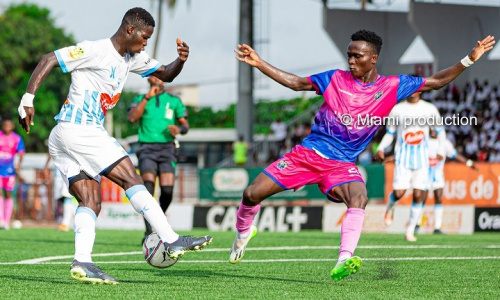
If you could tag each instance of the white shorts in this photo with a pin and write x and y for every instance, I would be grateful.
(75, 148)
(436, 178)
(405, 179)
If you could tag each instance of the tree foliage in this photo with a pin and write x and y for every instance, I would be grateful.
(28, 32)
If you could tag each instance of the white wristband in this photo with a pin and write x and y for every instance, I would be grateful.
(466, 61)
(469, 163)
(27, 100)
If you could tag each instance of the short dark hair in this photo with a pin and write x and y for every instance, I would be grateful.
(5, 119)
(138, 17)
(370, 37)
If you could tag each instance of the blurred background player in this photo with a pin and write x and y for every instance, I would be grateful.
(62, 196)
(410, 120)
(327, 156)
(240, 152)
(10, 144)
(157, 113)
(436, 176)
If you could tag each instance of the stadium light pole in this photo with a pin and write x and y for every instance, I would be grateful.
(244, 108)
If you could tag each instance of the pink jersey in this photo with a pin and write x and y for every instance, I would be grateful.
(341, 129)
(9, 146)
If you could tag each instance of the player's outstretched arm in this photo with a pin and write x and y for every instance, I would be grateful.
(26, 109)
(445, 76)
(247, 55)
(468, 162)
(169, 72)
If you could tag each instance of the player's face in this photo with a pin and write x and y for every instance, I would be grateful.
(361, 58)
(414, 98)
(7, 126)
(140, 39)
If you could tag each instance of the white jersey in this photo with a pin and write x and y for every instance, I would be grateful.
(449, 151)
(98, 73)
(411, 123)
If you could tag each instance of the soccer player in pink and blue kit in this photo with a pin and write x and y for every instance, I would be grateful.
(10, 144)
(340, 133)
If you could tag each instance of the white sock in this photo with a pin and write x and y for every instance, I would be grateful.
(146, 205)
(392, 201)
(438, 216)
(415, 211)
(84, 233)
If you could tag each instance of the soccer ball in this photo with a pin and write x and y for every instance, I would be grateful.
(154, 252)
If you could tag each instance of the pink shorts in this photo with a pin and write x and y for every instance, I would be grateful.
(8, 182)
(303, 166)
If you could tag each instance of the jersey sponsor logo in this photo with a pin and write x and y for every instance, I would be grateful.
(108, 102)
(76, 52)
(414, 138)
(282, 164)
(147, 61)
(378, 95)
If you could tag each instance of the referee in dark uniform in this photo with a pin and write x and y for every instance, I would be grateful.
(158, 113)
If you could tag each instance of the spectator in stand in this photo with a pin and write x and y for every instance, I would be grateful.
(494, 156)
(482, 156)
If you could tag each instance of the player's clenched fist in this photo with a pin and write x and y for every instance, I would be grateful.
(182, 50)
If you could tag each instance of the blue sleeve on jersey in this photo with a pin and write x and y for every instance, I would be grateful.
(409, 85)
(20, 146)
(150, 71)
(321, 81)
(61, 62)
(454, 155)
(393, 132)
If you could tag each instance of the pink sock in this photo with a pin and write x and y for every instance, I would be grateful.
(245, 216)
(351, 230)
(1, 207)
(9, 207)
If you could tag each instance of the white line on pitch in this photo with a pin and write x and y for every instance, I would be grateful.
(49, 258)
(284, 260)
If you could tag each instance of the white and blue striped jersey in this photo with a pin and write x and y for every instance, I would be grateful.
(98, 73)
(411, 123)
(434, 149)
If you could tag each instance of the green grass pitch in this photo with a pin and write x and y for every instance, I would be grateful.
(34, 264)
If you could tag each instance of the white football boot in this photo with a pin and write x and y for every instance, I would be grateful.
(240, 243)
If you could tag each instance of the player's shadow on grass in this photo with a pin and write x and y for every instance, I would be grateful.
(57, 280)
(386, 272)
(172, 272)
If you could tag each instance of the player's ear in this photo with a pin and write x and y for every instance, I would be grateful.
(374, 58)
(130, 29)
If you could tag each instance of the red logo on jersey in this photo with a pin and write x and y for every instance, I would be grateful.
(108, 102)
(414, 138)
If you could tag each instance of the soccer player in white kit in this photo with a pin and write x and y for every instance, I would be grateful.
(410, 121)
(436, 175)
(80, 146)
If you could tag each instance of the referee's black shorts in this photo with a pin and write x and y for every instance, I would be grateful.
(157, 158)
